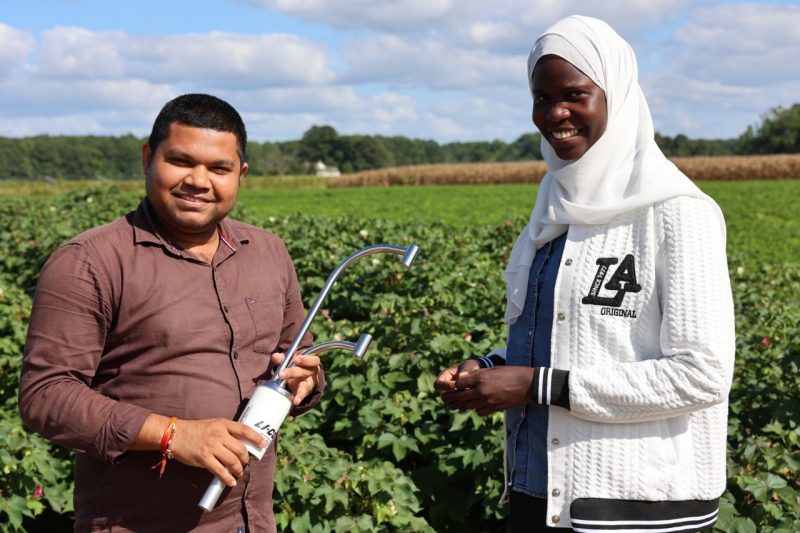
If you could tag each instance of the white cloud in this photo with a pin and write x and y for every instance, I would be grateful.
(442, 69)
(427, 63)
(499, 24)
(81, 54)
(495, 35)
(730, 66)
(119, 122)
(392, 108)
(709, 109)
(492, 113)
(278, 126)
(387, 16)
(512, 25)
(215, 59)
(681, 104)
(280, 114)
(15, 45)
(746, 44)
(54, 97)
(113, 78)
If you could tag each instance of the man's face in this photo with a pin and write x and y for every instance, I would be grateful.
(568, 108)
(192, 180)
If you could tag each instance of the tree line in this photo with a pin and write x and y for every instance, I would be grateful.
(75, 157)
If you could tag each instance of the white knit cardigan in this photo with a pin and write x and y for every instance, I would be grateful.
(648, 379)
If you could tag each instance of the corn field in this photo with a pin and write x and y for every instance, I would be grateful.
(721, 168)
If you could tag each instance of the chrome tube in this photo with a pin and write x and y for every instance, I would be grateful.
(277, 385)
(358, 348)
(409, 254)
(212, 494)
(214, 490)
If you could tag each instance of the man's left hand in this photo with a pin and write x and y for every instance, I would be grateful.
(302, 377)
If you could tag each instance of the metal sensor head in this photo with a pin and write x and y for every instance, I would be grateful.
(362, 345)
(212, 494)
(410, 255)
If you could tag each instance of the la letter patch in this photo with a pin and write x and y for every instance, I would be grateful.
(623, 281)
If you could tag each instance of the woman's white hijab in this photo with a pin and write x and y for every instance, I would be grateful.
(622, 171)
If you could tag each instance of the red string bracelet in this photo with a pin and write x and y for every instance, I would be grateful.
(166, 446)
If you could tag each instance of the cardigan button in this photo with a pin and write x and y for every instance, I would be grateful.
(561, 316)
(556, 492)
(555, 442)
(568, 262)
(556, 519)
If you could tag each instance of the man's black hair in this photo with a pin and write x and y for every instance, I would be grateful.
(200, 111)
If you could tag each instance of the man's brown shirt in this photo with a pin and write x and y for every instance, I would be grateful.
(125, 324)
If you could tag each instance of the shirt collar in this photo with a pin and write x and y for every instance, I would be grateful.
(230, 235)
(147, 229)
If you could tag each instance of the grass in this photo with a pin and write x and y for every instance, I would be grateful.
(761, 215)
(46, 188)
(283, 182)
(460, 204)
(469, 204)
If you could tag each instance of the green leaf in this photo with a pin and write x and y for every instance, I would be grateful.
(398, 450)
(742, 525)
(758, 488)
(14, 517)
(385, 440)
(775, 482)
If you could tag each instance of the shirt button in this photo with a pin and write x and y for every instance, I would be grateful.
(236, 355)
(561, 316)
(556, 519)
(225, 308)
(555, 442)
(556, 492)
(568, 262)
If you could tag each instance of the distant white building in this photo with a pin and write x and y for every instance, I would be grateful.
(325, 171)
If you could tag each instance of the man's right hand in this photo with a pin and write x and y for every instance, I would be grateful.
(214, 444)
(211, 443)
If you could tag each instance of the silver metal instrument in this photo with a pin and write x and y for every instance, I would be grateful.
(271, 402)
(409, 254)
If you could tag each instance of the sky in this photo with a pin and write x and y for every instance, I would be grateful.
(447, 70)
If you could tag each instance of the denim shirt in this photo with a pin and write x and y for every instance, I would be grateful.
(529, 346)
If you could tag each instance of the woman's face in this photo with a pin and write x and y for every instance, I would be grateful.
(568, 108)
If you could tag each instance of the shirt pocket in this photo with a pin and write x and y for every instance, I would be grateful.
(266, 311)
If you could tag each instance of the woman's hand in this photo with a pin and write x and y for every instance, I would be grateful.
(488, 390)
(302, 377)
(447, 379)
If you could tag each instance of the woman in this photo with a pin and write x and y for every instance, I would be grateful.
(620, 351)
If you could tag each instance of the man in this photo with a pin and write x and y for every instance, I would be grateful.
(173, 310)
